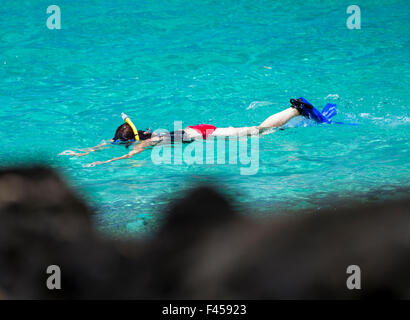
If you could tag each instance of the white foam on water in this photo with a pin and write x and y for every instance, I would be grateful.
(332, 96)
(256, 104)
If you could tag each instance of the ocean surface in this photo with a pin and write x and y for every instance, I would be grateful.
(227, 63)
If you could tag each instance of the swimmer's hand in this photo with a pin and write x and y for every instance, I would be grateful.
(72, 153)
(90, 165)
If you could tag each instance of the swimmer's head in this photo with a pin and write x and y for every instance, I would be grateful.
(125, 134)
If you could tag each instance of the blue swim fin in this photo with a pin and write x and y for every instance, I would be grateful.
(329, 110)
(309, 111)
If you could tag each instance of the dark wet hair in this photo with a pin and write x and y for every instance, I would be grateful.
(124, 133)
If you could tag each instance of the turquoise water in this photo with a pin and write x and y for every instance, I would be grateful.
(219, 62)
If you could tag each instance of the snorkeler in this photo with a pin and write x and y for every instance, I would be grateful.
(128, 134)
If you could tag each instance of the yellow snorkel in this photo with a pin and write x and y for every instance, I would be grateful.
(134, 129)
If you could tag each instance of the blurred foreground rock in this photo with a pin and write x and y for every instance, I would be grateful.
(204, 250)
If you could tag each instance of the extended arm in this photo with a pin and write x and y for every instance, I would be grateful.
(85, 151)
(137, 149)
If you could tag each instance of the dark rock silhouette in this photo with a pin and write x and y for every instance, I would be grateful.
(204, 249)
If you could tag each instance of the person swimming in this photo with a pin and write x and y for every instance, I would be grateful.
(128, 134)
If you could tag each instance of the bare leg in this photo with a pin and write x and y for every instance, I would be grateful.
(232, 132)
(279, 119)
(276, 120)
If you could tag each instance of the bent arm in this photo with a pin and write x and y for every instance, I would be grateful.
(137, 149)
